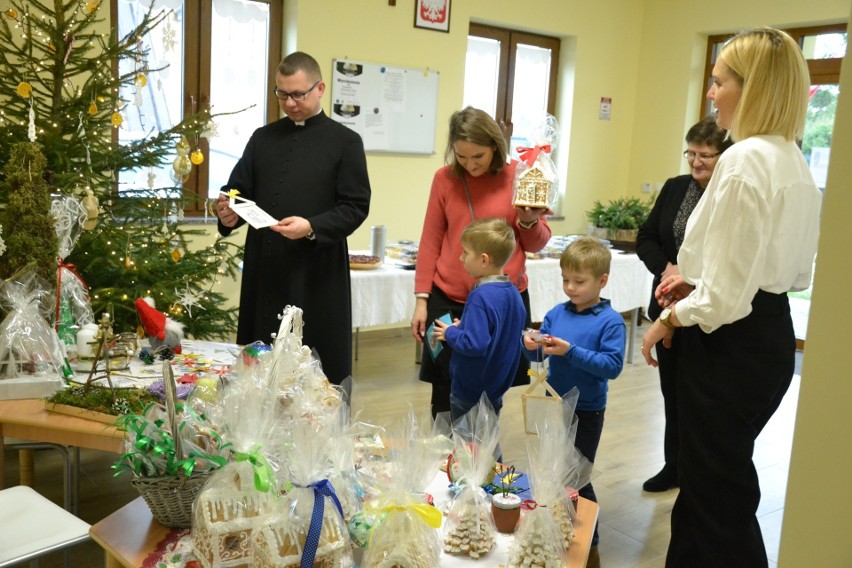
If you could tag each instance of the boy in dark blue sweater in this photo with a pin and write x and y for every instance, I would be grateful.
(485, 341)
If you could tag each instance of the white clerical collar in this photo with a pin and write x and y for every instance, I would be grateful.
(302, 122)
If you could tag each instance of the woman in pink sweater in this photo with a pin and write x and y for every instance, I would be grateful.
(476, 184)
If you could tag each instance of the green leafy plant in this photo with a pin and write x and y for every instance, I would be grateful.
(103, 399)
(619, 214)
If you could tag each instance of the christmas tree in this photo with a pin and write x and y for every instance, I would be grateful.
(67, 88)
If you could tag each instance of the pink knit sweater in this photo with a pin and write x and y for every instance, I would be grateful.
(448, 213)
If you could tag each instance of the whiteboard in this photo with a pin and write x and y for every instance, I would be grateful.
(392, 108)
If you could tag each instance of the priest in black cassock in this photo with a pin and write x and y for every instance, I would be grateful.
(311, 173)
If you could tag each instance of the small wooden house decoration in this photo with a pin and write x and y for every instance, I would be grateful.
(533, 189)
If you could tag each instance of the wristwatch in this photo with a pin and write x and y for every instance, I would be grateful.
(311, 236)
(664, 318)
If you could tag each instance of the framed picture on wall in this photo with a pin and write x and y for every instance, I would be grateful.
(432, 15)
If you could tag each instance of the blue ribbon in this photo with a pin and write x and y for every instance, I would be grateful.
(322, 489)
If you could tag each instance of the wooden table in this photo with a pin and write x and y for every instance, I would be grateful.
(28, 420)
(130, 535)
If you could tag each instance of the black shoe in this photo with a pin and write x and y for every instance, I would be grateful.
(663, 481)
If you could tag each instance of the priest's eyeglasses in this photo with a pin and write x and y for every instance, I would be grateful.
(704, 158)
(296, 96)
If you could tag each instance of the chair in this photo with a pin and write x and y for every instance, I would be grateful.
(31, 525)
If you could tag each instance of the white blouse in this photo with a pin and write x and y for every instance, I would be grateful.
(755, 228)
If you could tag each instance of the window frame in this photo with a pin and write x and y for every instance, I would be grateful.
(196, 82)
(509, 40)
(822, 71)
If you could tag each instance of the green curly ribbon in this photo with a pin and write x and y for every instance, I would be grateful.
(263, 474)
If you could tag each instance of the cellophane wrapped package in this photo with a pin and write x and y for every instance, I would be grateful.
(28, 344)
(399, 526)
(536, 181)
(556, 468)
(306, 527)
(230, 508)
(469, 529)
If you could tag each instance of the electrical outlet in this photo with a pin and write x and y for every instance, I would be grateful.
(646, 187)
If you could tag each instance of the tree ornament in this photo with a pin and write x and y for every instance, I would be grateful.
(90, 204)
(116, 119)
(197, 157)
(92, 6)
(140, 81)
(93, 108)
(31, 131)
(24, 90)
(11, 14)
(176, 255)
(182, 164)
(188, 299)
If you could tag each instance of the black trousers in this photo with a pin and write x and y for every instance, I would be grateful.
(668, 359)
(437, 371)
(730, 382)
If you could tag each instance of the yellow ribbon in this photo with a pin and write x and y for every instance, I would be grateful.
(430, 515)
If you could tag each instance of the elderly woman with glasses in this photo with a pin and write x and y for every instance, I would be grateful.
(657, 245)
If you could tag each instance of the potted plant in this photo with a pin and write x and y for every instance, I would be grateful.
(619, 219)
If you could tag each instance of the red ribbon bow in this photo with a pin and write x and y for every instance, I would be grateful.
(530, 155)
(529, 505)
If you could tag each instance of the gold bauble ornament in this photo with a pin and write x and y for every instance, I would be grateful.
(24, 90)
(176, 255)
(182, 166)
(116, 119)
(140, 80)
(197, 157)
(93, 109)
(182, 147)
(92, 6)
(11, 14)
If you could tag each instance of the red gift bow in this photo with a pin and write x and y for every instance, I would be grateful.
(530, 155)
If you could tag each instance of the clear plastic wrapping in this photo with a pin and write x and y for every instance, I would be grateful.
(400, 523)
(536, 181)
(556, 468)
(28, 344)
(306, 526)
(469, 529)
(72, 308)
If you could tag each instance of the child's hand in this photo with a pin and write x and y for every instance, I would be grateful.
(530, 344)
(441, 327)
(554, 346)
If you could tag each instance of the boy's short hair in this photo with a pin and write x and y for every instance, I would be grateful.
(493, 237)
(586, 253)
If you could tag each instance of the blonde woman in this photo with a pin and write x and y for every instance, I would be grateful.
(751, 239)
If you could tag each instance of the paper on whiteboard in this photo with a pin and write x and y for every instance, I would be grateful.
(250, 212)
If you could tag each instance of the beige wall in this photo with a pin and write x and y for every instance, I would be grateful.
(818, 513)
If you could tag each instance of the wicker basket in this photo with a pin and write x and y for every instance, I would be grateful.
(170, 498)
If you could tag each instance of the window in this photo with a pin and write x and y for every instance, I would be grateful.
(512, 76)
(228, 74)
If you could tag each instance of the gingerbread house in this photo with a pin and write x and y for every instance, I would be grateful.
(533, 189)
(225, 516)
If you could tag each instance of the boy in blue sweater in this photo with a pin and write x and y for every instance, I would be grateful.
(486, 350)
(584, 341)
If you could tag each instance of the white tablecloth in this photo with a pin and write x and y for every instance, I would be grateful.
(385, 295)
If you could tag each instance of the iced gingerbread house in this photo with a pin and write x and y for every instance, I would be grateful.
(280, 541)
(225, 517)
(533, 189)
